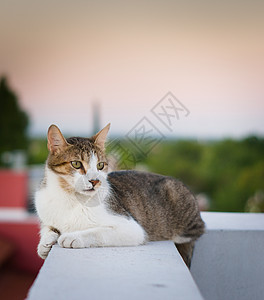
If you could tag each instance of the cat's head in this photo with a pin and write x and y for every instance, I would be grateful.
(79, 163)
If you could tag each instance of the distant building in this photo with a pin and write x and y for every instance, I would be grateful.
(96, 116)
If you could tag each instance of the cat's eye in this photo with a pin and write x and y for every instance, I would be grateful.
(76, 164)
(100, 166)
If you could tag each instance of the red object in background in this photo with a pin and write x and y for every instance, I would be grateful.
(22, 263)
(24, 236)
(19, 230)
(16, 225)
(13, 189)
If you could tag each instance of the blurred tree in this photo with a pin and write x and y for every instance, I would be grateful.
(13, 120)
(37, 151)
(229, 171)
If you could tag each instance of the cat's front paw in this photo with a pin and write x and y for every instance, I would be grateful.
(43, 250)
(71, 240)
(46, 244)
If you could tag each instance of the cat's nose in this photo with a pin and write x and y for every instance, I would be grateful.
(94, 182)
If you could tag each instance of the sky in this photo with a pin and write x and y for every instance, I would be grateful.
(62, 56)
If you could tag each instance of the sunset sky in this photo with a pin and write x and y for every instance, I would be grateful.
(61, 56)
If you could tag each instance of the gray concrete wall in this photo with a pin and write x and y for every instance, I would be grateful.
(228, 260)
(153, 271)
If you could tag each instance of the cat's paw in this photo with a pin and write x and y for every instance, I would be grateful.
(43, 250)
(71, 240)
(45, 244)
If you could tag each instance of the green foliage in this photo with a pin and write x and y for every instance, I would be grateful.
(13, 120)
(228, 171)
(37, 151)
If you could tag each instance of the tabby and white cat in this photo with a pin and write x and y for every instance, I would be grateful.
(80, 205)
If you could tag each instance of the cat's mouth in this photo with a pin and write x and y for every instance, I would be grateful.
(89, 190)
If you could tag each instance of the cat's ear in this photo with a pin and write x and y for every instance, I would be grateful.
(56, 140)
(100, 137)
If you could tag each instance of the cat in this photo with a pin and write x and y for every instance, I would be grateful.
(81, 205)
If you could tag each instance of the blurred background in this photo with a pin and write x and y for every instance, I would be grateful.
(180, 81)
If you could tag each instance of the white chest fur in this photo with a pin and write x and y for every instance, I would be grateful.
(66, 213)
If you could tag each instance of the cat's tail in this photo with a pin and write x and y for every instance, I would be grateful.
(194, 228)
(186, 252)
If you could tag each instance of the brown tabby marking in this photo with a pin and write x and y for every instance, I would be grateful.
(64, 185)
(54, 230)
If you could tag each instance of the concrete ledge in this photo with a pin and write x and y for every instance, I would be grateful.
(152, 271)
(233, 221)
(228, 259)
